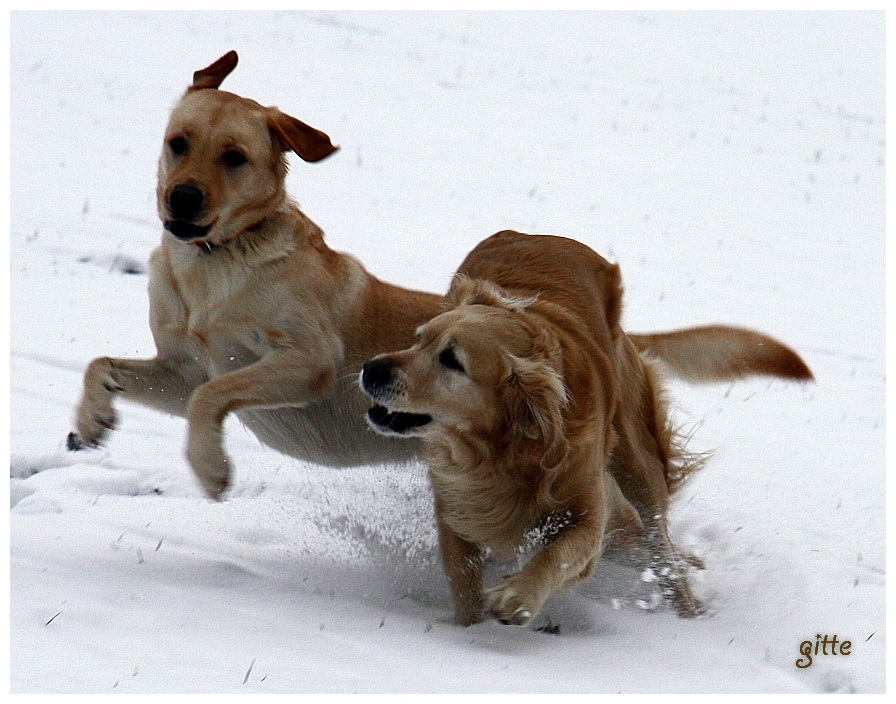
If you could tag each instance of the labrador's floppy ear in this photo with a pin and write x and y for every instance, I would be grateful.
(310, 144)
(213, 76)
(534, 399)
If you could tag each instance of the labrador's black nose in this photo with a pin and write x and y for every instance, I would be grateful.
(375, 374)
(185, 202)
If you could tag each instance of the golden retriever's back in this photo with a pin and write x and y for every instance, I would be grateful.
(555, 268)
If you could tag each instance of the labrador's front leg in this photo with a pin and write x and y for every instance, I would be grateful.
(96, 415)
(279, 380)
(162, 383)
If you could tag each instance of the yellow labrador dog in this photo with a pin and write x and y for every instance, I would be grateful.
(544, 424)
(250, 311)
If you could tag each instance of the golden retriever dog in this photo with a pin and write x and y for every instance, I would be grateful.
(544, 424)
(250, 311)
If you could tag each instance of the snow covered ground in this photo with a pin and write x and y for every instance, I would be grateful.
(733, 164)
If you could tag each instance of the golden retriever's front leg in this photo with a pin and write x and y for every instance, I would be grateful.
(160, 383)
(279, 380)
(463, 563)
(568, 559)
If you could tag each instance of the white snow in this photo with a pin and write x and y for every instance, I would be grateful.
(733, 164)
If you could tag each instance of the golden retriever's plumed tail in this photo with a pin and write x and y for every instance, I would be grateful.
(722, 353)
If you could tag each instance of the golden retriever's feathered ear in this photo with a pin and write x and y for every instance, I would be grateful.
(465, 291)
(294, 135)
(535, 397)
(213, 76)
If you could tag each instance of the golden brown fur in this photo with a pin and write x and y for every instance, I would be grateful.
(251, 312)
(539, 415)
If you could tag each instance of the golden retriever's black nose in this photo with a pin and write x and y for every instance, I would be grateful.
(375, 374)
(185, 202)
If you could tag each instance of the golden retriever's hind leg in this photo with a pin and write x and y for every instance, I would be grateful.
(670, 569)
(641, 477)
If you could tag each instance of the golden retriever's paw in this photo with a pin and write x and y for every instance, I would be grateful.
(687, 605)
(509, 602)
(211, 466)
(677, 593)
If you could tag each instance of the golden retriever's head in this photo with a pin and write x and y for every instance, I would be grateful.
(222, 166)
(484, 367)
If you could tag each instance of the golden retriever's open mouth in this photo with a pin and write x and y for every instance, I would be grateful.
(395, 422)
(185, 230)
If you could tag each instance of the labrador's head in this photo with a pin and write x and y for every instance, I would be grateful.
(222, 167)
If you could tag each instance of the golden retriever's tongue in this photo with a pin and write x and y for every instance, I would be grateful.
(396, 422)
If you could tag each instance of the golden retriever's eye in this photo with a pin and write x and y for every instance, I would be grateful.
(233, 158)
(178, 145)
(447, 358)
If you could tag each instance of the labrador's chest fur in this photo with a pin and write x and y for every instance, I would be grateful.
(229, 308)
(224, 307)
(237, 303)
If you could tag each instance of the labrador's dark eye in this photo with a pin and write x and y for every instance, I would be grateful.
(234, 158)
(447, 358)
(178, 145)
